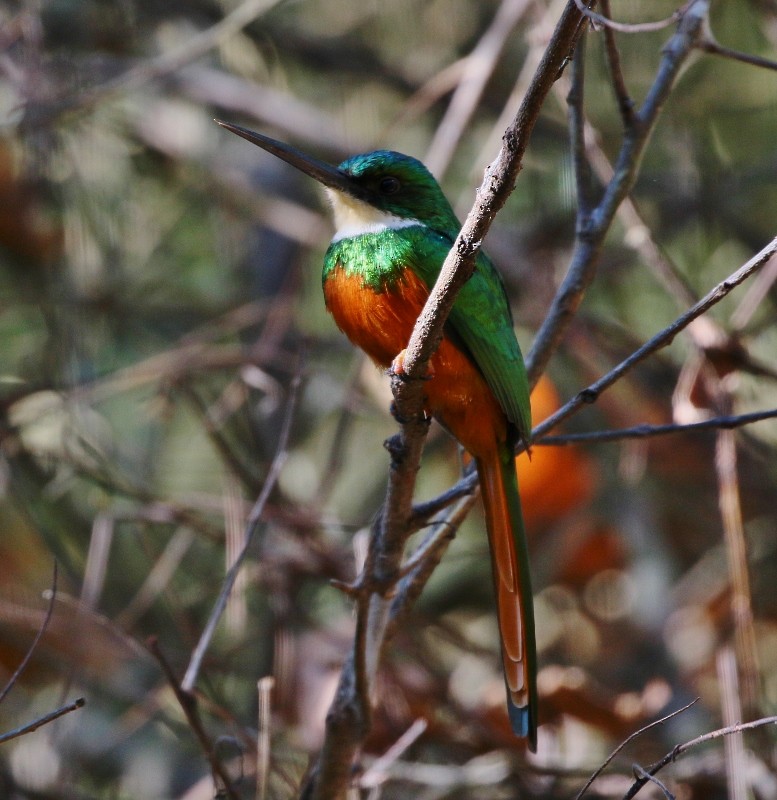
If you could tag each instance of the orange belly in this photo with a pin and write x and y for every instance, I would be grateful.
(380, 323)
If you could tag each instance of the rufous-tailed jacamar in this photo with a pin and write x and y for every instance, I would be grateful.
(394, 228)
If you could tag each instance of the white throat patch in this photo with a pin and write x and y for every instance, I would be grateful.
(354, 217)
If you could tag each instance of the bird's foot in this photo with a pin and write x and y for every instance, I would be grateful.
(398, 367)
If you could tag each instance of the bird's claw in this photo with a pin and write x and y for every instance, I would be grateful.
(398, 368)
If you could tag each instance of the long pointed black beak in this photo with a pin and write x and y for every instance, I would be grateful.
(324, 173)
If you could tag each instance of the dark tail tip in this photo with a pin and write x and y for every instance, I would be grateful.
(523, 723)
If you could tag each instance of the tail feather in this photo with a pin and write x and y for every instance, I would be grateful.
(515, 609)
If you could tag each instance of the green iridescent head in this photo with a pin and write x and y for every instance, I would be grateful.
(390, 182)
(400, 185)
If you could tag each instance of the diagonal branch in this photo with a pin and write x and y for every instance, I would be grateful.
(661, 339)
(477, 69)
(727, 422)
(44, 720)
(188, 702)
(38, 636)
(628, 27)
(251, 527)
(348, 718)
(593, 227)
(590, 394)
(709, 45)
(683, 748)
(628, 741)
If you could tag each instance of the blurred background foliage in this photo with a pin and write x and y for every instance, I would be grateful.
(159, 292)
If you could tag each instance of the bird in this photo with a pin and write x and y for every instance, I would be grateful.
(393, 229)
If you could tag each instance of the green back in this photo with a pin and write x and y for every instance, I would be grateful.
(481, 321)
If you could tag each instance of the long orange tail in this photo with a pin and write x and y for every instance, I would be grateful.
(515, 609)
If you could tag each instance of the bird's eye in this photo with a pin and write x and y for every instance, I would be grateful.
(389, 185)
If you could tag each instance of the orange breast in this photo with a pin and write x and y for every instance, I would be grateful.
(380, 323)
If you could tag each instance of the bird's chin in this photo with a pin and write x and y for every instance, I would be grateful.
(354, 217)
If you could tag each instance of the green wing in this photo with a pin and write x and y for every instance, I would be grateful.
(482, 321)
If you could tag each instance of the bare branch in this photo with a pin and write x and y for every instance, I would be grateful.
(188, 703)
(709, 45)
(731, 708)
(478, 68)
(252, 525)
(680, 749)
(376, 774)
(639, 772)
(661, 339)
(347, 719)
(592, 229)
(625, 103)
(422, 564)
(649, 431)
(38, 636)
(736, 555)
(635, 27)
(575, 104)
(628, 741)
(44, 720)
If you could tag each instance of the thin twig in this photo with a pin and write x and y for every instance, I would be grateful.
(625, 103)
(628, 741)
(680, 749)
(575, 105)
(347, 718)
(736, 555)
(660, 340)
(649, 431)
(376, 774)
(425, 560)
(639, 772)
(443, 529)
(709, 45)
(38, 636)
(625, 27)
(478, 68)
(188, 703)
(754, 296)
(593, 228)
(251, 527)
(44, 720)
(731, 708)
(423, 512)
